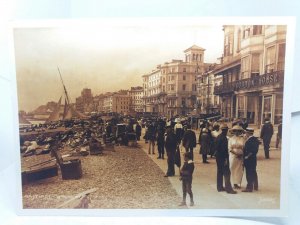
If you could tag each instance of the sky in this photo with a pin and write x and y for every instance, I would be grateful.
(104, 57)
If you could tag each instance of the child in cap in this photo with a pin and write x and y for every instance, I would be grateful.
(186, 176)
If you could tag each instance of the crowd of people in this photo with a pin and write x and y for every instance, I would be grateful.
(235, 150)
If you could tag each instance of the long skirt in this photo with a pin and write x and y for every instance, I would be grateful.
(236, 168)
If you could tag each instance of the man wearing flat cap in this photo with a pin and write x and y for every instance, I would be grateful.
(250, 161)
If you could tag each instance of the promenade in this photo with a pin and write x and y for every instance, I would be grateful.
(204, 182)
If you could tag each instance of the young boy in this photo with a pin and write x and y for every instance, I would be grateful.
(186, 176)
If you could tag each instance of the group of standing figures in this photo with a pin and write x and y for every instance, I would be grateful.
(232, 155)
(168, 139)
(234, 152)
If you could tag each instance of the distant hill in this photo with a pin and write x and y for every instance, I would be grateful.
(45, 109)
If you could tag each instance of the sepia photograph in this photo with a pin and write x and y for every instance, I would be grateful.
(151, 115)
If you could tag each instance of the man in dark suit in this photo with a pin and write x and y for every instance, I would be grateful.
(151, 137)
(222, 158)
(170, 145)
(266, 134)
(138, 131)
(250, 161)
(189, 141)
(160, 142)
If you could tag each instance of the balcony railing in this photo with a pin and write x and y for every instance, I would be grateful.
(254, 82)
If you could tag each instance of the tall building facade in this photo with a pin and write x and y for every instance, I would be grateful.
(84, 102)
(154, 94)
(118, 102)
(207, 102)
(171, 89)
(99, 103)
(136, 95)
(252, 72)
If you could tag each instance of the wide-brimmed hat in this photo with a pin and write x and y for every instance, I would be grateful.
(237, 128)
(177, 120)
(250, 130)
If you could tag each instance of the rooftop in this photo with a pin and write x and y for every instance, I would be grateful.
(194, 47)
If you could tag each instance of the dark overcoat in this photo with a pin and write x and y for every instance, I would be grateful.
(266, 132)
(250, 150)
(222, 147)
(205, 143)
(189, 139)
(171, 143)
(138, 130)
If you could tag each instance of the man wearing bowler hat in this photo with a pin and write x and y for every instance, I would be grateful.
(266, 134)
(250, 161)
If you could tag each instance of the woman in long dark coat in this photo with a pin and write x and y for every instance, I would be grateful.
(205, 144)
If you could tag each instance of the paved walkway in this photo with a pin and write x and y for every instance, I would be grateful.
(204, 182)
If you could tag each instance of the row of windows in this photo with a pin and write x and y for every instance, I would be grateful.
(122, 107)
(170, 78)
(251, 64)
(193, 57)
(175, 70)
(170, 87)
(137, 97)
(153, 77)
(254, 30)
(248, 31)
(154, 91)
(153, 83)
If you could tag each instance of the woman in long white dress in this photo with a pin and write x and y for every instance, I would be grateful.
(235, 147)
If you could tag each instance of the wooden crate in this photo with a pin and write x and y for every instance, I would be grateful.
(95, 148)
(71, 169)
(33, 175)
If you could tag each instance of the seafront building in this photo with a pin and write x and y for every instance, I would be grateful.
(207, 102)
(252, 71)
(171, 88)
(118, 102)
(136, 95)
